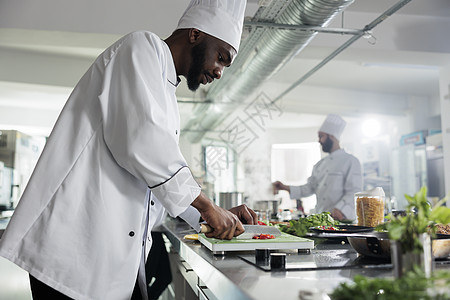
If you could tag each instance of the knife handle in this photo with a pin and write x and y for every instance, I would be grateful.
(205, 228)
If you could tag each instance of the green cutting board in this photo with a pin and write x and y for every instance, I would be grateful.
(285, 241)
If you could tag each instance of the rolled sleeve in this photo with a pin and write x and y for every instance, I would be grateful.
(295, 192)
(192, 216)
(178, 192)
(306, 190)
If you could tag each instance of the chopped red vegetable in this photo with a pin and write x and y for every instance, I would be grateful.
(328, 228)
(263, 236)
(261, 223)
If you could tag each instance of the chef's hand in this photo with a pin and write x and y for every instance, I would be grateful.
(245, 214)
(225, 224)
(278, 185)
(337, 214)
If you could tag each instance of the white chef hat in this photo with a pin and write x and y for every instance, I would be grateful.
(333, 125)
(222, 19)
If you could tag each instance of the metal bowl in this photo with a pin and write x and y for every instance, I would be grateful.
(377, 246)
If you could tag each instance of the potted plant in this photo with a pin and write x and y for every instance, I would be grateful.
(411, 234)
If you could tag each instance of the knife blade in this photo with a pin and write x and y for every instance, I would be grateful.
(250, 231)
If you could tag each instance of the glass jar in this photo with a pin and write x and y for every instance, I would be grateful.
(286, 215)
(370, 207)
(263, 216)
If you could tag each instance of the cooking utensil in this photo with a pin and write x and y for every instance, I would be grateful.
(231, 199)
(250, 231)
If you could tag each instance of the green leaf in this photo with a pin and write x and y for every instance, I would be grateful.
(413, 285)
(440, 214)
(395, 232)
(301, 226)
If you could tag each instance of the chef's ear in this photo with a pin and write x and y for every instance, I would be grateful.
(195, 35)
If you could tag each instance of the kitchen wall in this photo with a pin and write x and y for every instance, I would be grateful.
(445, 119)
(254, 162)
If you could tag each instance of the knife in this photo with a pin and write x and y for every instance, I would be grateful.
(250, 231)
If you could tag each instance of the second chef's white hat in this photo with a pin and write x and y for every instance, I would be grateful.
(333, 125)
(222, 19)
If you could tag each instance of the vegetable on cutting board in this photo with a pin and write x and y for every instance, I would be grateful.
(263, 236)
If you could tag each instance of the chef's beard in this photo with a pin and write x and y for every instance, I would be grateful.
(196, 68)
(327, 145)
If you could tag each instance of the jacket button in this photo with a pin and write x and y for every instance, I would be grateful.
(152, 202)
(131, 233)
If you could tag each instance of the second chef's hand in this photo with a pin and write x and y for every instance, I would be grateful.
(245, 214)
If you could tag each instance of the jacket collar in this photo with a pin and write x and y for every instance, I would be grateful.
(337, 152)
(171, 71)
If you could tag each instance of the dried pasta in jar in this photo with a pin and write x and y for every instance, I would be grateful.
(370, 207)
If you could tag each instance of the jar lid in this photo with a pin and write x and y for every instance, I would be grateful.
(375, 192)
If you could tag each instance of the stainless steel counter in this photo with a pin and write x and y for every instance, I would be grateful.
(233, 277)
(3, 223)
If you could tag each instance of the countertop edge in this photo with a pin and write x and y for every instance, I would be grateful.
(219, 284)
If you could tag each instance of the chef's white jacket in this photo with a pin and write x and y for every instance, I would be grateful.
(80, 224)
(334, 179)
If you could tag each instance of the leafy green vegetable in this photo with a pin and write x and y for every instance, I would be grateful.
(301, 226)
(414, 285)
(420, 218)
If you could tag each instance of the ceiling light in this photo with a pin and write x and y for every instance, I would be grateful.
(371, 128)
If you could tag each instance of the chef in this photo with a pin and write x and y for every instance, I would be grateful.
(335, 178)
(112, 165)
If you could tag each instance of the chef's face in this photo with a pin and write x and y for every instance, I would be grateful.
(209, 58)
(325, 141)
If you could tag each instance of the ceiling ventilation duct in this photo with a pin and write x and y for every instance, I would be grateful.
(262, 53)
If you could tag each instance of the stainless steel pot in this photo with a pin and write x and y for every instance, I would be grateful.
(267, 205)
(230, 199)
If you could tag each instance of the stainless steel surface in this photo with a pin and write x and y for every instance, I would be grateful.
(230, 277)
(3, 223)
